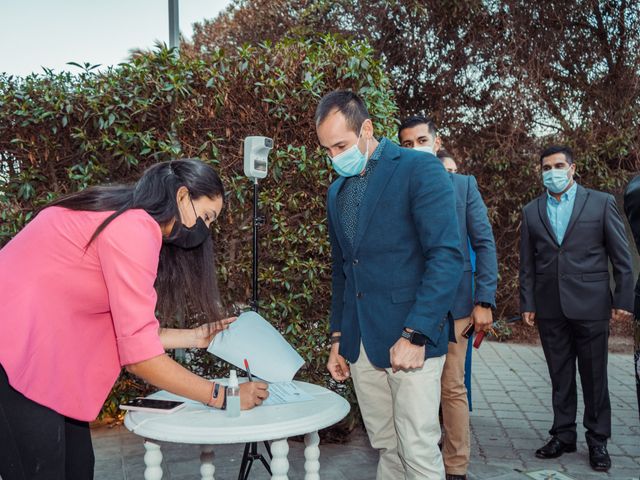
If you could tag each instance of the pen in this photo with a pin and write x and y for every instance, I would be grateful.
(246, 366)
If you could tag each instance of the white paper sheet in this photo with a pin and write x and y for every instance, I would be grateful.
(285, 392)
(269, 355)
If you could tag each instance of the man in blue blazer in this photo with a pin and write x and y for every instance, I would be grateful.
(396, 266)
(471, 306)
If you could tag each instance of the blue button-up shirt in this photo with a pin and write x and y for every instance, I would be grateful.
(559, 212)
(352, 193)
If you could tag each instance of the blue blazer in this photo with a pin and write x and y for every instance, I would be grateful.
(405, 264)
(474, 225)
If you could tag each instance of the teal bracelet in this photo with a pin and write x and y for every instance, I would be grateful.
(214, 394)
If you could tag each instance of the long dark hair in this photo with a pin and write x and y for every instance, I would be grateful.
(186, 280)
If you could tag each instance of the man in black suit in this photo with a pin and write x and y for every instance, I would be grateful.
(632, 209)
(568, 236)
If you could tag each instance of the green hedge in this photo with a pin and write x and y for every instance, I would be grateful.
(61, 132)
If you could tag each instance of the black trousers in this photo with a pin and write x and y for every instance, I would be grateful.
(37, 443)
(636, 345)
(563, 341)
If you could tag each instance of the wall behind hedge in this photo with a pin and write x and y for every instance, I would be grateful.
(60, 133)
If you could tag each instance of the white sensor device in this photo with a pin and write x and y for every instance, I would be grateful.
(256, 153)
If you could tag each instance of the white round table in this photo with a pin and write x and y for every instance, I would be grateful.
(199, 424)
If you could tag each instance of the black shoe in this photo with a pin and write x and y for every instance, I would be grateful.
(599, 458)
(554, 448)
(456, 477)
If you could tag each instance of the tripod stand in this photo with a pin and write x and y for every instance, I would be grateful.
(251, 449)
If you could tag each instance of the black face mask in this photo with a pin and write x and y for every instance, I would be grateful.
(189, 237)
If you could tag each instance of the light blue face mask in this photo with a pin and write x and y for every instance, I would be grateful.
(425, 148)
(556, 180)
(351, 162)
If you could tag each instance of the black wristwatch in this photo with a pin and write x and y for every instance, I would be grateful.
(416, 338)
(485, 305)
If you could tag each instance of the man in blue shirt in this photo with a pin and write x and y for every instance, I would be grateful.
(396, 264)
(559, 208)
(567, 239)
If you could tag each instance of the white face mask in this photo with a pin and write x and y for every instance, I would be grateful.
(425, 148)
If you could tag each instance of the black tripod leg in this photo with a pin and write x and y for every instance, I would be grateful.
(243, 464)
(249, 465)
(268, 447)
(266, 464)
(258, 456)
(249, 456)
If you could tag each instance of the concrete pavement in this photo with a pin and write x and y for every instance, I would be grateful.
(511, 417)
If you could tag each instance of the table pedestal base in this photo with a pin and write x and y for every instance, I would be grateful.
(312, 456)
(279, 463)
(207, 468)
(152, 461)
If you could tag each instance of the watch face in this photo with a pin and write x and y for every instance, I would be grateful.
(415, 338)
(418, 339)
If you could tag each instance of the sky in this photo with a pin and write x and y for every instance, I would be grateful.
(50, 33)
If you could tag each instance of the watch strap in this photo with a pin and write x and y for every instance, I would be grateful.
(485, 305)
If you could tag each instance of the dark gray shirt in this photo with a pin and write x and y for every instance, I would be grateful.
(352, 192)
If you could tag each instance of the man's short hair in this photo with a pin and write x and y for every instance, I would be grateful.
(553, 149)
(442, 154)
(345, 102)
(418, 120)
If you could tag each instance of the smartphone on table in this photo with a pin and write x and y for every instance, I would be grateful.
(152, 405)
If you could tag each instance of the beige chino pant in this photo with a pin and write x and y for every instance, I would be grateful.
(455, 407)
(400, 413)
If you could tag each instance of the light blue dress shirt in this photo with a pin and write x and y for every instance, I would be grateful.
(559, 212)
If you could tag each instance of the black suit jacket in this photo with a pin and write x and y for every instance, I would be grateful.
(572, 279)
(632, 209)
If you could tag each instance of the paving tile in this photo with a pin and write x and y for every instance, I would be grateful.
(512, 396)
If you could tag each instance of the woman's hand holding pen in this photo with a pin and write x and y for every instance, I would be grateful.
(253, 394)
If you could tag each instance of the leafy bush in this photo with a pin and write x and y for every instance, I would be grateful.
(61, 132)
(498, 100)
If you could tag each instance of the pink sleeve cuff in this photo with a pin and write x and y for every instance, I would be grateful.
(139, 347)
